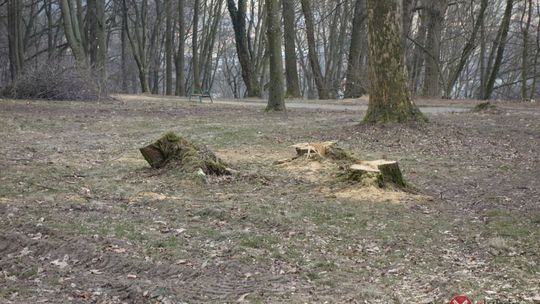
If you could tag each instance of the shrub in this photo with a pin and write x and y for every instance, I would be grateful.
(54, 82)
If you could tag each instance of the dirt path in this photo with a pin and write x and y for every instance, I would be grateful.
(341, 107)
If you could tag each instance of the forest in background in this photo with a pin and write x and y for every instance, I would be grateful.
(456, 49)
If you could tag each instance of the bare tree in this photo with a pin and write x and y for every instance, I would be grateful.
(291, 70)
(276, 100)
(238, 18)
(354, 87)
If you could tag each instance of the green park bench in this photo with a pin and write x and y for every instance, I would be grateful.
(201, 94)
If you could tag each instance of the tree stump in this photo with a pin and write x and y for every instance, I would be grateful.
(381, 173)
(173, 150)
(323, 150)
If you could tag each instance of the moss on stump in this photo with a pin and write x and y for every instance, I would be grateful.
(177, 152)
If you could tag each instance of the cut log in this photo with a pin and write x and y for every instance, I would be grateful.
(328, 149)
(379, 173)
(175, 151)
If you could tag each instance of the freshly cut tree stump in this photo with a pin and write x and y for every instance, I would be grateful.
(327, 149)
(379, 173)
(175, 151)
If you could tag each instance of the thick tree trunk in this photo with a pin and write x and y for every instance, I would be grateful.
(276, 100)
(291, 70)
(320, 81)
(238, 17)
(180, 59)
(436, 10)
(390, 99)
(353, 86)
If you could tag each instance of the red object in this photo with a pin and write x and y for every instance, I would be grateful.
(460, 300)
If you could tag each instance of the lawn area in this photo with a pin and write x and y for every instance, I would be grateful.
(83, 218)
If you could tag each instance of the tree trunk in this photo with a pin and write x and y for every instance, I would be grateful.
(436, 10)
(499, 46)
(50, 33)
(180, 88)
(137, 39)
(312, 51)
(417, 62)
(467, 50)
(408, 13)
(390, 99)
(72, 31)
(276, 100)
(168, 48)
(16, 48)
(525, 51)
(291, 70)
(353, 86)
(195, 47)
(97, 43)
(238, 17)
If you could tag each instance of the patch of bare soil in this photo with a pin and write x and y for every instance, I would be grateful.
(84, 219)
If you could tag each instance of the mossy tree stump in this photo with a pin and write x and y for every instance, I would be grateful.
(175, 151)
(381, 173)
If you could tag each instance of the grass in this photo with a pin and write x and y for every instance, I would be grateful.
(277, 225)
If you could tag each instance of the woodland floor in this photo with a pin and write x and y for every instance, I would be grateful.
(83, 219)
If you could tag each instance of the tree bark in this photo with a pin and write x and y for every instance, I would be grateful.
(276, 100)
(353, 86)
(436, 10)
(390, 99)
(499, 46)
(137, 40)
(320, 81)
(16, 47)
(72, 31)
(467, 50)
(525, 51)
(291, 69)
(238, 17)
(168, 48)
(195, 47)
(180, 59)
(97, 39)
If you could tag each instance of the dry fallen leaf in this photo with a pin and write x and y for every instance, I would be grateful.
(242, 298)
(61, 264)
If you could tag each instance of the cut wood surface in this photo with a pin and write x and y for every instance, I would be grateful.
(380, 172)
(327, 149)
